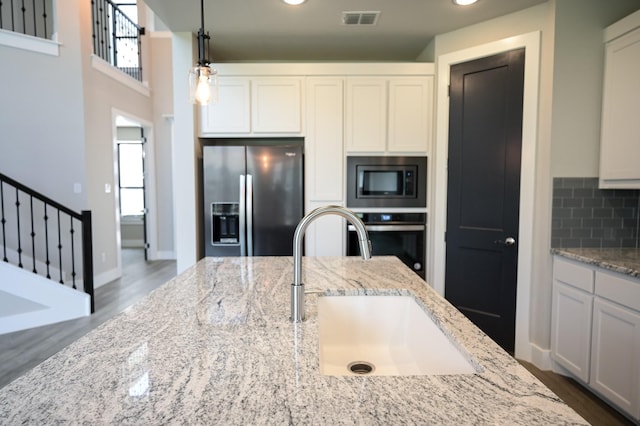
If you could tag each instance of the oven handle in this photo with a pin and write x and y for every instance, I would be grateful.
(390, 228)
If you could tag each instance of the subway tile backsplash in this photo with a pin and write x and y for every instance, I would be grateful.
(587, 217)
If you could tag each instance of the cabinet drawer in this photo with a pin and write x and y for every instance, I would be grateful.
(573, 274)
(618, 288)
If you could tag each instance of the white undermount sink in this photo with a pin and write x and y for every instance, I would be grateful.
(383, 336)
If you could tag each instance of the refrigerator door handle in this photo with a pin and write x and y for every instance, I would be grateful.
(249, 215)
(243, 211)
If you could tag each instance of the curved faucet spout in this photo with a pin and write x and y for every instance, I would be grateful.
(297, 288)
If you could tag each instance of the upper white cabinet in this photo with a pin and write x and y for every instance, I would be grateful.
(391, 114)
(410, 114)
(276, 105)
(232, 112)
(250, 105)
(620, 138)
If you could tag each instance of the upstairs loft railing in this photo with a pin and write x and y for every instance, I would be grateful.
(46, 237)
(30, 17)
(116, 38)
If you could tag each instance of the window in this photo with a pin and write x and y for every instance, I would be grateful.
(131, 172)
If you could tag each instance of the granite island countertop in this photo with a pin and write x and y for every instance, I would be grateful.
(215, 346)
(622, 260)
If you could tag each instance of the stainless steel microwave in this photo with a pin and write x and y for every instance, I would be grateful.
(386, 181)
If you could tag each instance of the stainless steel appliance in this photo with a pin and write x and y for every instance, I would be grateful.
(401, 234)
(252, 198)
(386, 181)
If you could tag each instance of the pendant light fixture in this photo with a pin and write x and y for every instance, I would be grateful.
(203, 78)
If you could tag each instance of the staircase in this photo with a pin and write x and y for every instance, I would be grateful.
(46, 267)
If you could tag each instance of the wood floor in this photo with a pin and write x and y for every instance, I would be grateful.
(22, 350)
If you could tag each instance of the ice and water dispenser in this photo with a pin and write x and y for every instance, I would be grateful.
(225, 223)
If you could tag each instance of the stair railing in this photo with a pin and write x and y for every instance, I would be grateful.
(42, 234)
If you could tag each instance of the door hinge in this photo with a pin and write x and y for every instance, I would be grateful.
(445, 236)
(449, 90)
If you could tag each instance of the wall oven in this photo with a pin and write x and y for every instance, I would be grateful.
(401, 234)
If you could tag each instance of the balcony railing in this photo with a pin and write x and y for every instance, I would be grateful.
(30, 17)
(116, 38)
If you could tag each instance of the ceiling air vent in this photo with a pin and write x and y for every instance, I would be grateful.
(360, 18)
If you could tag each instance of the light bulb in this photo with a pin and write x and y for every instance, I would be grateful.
(203, 90)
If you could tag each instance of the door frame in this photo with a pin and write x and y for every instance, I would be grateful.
(150, 187)
(438, 199)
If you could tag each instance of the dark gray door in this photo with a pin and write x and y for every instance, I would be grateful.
(274, 201)
(485, 140)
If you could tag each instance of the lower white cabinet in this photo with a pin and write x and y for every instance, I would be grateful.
(571, 319)
(595, 330)
(615, 355)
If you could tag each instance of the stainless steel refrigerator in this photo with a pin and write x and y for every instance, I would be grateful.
(253, 199)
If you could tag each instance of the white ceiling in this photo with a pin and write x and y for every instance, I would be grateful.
(270, 30)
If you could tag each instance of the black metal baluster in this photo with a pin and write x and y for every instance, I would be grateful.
(44, 17)
(46, 240)
(13, 19)
(73, 255)
(33, 237)
(35, 26)
(3, 221)
(114, 36)
(87, 257)
(1, 4)
(24, 19)
(60, 247)
(18, 224)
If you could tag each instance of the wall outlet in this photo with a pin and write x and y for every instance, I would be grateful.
(107, 188)
(103, 256)
(77, 188)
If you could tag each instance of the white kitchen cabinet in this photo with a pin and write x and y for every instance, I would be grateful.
(325, 236)
(366, 114)
(276, 105)
(324, 163)
(410, 114)
(254, 106)
(595, 330)
(389, 114)
(620, 132)
(324, 159)
(572, 303)
(615, 359)
(232, 112)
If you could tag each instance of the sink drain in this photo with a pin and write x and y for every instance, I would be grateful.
(361, 367)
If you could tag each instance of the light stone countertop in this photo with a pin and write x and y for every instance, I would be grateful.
(215, 346)
(623, 260)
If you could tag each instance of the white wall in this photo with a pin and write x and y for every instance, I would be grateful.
(565, 101)
(41, 114)
(577, 82)
(162, 83)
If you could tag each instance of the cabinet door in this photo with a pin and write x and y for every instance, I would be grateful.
(615, 360)
(326, 235)
(276, 105)
(571, 329)
(232, 112)
(324, 157)
(620, 142)
(366, 114)
(410, 114)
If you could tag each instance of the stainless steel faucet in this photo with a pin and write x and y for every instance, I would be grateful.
(297, 288)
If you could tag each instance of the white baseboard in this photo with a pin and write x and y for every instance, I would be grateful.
(540, 357)
(166, 255)
(106, 277)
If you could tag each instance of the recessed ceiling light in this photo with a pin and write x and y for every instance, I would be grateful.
(464, 2)
(294, 2)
